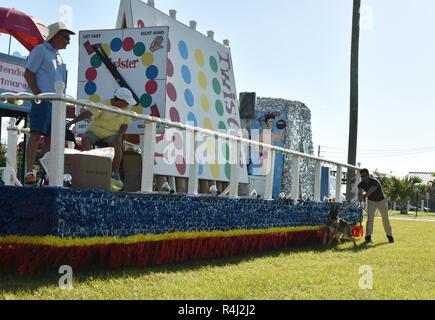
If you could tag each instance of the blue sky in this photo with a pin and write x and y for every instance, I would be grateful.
(300, 50)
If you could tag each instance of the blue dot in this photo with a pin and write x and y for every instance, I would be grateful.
(152, 72)
(184, 52)
(200, 169)
(186, 74)
(191, 119)
(90, 88)
(116, 44)
(188, 96)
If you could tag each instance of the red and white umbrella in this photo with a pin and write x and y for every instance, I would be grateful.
(28, 30)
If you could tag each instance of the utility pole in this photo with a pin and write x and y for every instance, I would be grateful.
(353, 121)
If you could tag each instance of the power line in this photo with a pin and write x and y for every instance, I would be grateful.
(380, 150)
(329, 151)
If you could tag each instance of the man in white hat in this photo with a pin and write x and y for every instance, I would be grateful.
(44, 67)
(108, 128)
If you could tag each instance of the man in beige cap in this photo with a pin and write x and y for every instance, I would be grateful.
(44, 67)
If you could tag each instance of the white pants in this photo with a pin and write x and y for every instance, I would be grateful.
(382, 206)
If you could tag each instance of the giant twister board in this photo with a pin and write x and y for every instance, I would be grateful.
(139, 55)
(200, 91)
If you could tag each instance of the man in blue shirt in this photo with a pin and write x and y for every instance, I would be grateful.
(371, 188)
(44, 67)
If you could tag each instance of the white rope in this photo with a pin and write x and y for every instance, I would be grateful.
(167, 123)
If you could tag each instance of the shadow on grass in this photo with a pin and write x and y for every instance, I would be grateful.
(364, 246)
(16, 284)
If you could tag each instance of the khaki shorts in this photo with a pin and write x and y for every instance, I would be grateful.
(95, 139)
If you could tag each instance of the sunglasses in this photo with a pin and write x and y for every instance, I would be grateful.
(65, 36)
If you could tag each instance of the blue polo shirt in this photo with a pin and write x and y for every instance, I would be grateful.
(47, 65)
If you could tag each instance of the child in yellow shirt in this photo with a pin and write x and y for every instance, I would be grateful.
(108, 127)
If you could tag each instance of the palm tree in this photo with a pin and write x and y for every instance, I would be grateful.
(383, 178)
(431, 183)
(402, 191)
(353, 121)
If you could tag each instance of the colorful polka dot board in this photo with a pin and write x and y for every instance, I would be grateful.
(200, 91)
(139, 55)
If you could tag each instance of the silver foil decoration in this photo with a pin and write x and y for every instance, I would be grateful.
(299, 137)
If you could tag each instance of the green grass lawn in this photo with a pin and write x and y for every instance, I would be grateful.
(404, 270)
(412, 214)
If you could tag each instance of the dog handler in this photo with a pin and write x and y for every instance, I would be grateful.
(372, 189)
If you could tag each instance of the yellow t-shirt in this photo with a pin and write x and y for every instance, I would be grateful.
(107, 124)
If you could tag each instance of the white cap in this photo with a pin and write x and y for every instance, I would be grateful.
(126, 95)
(55, 28)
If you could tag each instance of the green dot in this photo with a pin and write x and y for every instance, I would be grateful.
(146, 100)
(226, 151)
(139, 49)
(216, 86)
(228, 171)
(96, 61)
(219, 108)
(222, 126)
(213, 64)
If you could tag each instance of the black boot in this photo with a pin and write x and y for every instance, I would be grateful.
(368, 239)
(390, 239)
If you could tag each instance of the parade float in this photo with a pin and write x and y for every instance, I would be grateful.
(181, 75)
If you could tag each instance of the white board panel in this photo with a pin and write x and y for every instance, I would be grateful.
(200, 88)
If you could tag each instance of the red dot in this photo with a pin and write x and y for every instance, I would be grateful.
(151, 87)
(181, 165)
(128, 44)
(172, 93)
(175, 116)
(177, 139)
(140, 24)
(91, 74)
(169, 68)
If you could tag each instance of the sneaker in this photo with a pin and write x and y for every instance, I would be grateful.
(116, 176)
(368, 239)
(30, 179)
(390, 239)
(117, 184)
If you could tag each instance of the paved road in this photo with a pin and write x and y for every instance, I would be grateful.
(411, 219)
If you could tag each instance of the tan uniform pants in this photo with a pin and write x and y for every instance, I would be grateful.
(382, 206)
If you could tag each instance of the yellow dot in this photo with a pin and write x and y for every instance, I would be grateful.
(215, 171)
(208, 124)
(147, 59)
(107, 49)
(95, 98)
(202, 80)
(199, 57)
(205, 103)
(138, 109)
(211, 150)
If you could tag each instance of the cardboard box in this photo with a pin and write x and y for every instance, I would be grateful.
(132, 171)
(89, 172)
(132, 183)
